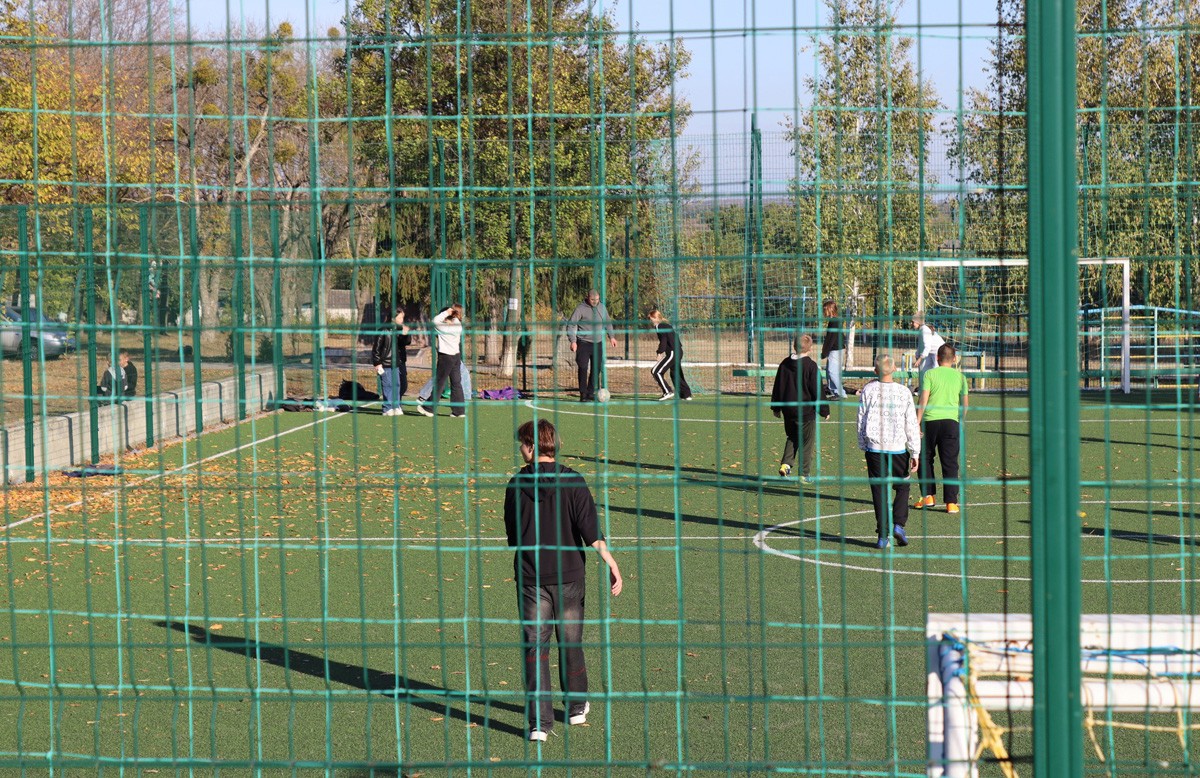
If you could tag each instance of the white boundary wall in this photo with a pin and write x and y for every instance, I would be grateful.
(63, 440)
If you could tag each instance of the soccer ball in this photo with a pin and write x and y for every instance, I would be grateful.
(602, 395)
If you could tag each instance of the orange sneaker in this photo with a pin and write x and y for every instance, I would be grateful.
(951, 507)
(925, 502)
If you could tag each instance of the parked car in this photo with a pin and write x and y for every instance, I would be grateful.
(48, 336)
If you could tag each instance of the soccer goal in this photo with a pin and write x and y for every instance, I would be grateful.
(982, 664)
(982, 307)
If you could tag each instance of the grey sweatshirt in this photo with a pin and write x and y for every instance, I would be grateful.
(589, 324)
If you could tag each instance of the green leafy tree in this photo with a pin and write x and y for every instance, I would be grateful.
(1138, 137)
(860, 148)
(538, 145)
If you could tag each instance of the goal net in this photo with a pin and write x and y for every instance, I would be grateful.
(1140, 673)
(982, 307)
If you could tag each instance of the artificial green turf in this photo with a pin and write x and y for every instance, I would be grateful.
(340, 595)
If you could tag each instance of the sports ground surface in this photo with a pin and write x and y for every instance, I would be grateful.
(313, 591)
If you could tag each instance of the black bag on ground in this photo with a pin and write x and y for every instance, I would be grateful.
(354, 391)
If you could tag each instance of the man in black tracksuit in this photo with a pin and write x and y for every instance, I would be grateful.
(550, 518)
(795, 398)
(670, 358)
(390, 358)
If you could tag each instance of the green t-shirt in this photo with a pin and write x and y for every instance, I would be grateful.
(946, 387)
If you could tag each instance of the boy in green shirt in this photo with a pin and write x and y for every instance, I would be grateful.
(943, 397)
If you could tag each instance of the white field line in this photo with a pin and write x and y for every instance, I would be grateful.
(116, 489)
(766, 417)
(269, 541)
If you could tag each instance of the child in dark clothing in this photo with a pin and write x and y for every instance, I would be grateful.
(670, 358)
(550, 519)
(795, 398)
(390, 358)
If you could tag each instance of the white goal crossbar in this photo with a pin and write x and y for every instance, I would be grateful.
(1121, 262)
(984, 662)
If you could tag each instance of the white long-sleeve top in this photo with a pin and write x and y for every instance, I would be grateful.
(928, 343)
(887, 419)
(449, 333)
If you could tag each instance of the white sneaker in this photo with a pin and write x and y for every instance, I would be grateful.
(581, 716)
(425, 411)
(388, 412)
(538, 736)
(666, 396)
(397, 411)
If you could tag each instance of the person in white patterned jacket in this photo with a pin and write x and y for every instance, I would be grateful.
(890, 438)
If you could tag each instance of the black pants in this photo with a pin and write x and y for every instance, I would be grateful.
(801, 436)
(668, 365)
(449, 366)
(883, 469)
(941, 436)
(553, 611)
(589, 358)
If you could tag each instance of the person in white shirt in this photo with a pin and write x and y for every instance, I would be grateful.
(928, 343)
(890, 438)
(449, 327)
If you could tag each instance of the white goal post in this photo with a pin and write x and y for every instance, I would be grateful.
(982, 662)
(924, 266)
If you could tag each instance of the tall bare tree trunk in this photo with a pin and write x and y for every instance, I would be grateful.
(512, 323)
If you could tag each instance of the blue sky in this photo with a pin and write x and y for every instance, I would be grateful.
(733, 73)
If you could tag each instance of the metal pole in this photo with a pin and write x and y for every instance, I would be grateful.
(237, 332)
(1054, 390)
(149, 320)
(26, 336)
(89, 258)
(277, 305)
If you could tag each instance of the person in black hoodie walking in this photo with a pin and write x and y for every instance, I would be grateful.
(550, 519)
(390, 358)
(670, 358)
(795, 398)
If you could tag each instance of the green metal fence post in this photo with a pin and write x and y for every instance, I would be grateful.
(89, 258)
(26, 336)
(277, 305)
(1054, 392)
(237, 334)
(197, 378)
(149, 319)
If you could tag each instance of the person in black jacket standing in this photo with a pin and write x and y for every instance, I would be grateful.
(833, 351)
(131, 374)
(795, 398)
(550, 519)
(390, 358)
(670, 358)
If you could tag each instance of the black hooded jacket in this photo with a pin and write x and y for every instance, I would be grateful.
(795, 389)
(390, 348)
(551, 519)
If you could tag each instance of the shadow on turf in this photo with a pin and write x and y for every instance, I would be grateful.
(354, 675)
(771, 485)
(1142, 537)
(1087, 439)
(801, 532)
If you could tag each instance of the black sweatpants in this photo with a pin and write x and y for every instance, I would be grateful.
(941, 436)
(882, 469)
(589, 358)
(801, 436)
(669, 366)
(449, 367)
